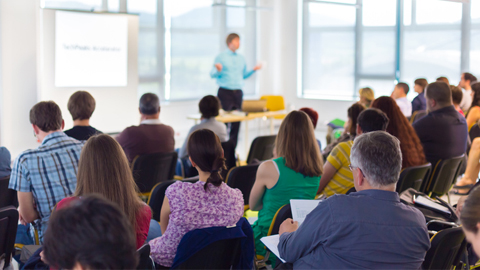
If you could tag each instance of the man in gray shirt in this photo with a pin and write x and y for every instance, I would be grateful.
(368, 229)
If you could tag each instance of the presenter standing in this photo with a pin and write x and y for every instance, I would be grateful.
(230, 69)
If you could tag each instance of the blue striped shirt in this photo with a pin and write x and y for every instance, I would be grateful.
(49, 172)
(234, 70)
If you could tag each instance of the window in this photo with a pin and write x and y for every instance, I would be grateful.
(89, 5)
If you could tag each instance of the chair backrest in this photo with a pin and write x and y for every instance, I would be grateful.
(243, 178)
(149, 170)
(417, 115)
(474, 132)
(274, 103)
(413, 177)
(443, 176)
(446, 247)
(229, 154)
(7, 196)
(261, 148)
(155, 200)
(8, 231)
(282, 214)
(144, 260)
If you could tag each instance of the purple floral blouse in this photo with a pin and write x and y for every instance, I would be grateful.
(194, 208)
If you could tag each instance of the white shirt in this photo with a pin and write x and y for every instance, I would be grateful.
(405, 106)
(466, 100)
(212, 124)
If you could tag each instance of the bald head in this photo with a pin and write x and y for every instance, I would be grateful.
(438, 96)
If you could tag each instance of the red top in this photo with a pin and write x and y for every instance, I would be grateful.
(143, 220)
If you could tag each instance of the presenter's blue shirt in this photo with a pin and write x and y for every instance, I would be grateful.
(234, 70)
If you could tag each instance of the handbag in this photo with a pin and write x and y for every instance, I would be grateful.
(409, 197)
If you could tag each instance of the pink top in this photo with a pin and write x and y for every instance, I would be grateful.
(143, 220)
(191, 207)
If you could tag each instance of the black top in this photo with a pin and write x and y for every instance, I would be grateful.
(443, 134)
(82, 133)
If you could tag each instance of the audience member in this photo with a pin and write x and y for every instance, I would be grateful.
(209, 107)
(103, 169)
(350, 128)
(443, 131)
(367, 229)
(337, 177)
(53, 164)
(314, 117)
(466, 81)
(412, 150)
(400, 95)
(206, 203)
(81, 106)
(473, 114)
(295, 174)
(470, 219)
(92, 233)
(151, 136)
(472, 170)
(457, 96)
(366, 96)
(5, 161)
(443, 79)
(419, 102)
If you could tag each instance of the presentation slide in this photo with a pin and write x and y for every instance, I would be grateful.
(90, 50)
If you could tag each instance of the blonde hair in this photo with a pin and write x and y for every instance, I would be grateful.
(103, 169)
(297, 144)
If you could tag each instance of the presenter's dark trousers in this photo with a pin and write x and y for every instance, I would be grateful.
(231, 100)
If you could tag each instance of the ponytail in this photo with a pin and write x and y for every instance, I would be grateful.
(215, 177)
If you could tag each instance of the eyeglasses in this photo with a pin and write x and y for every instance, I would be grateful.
(352, 167)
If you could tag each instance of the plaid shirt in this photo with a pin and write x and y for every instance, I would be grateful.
(49, 172)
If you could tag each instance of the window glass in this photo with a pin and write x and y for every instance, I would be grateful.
(379, 12)
(113, 6)
(190, 14)
(321, 14)
(475, 53)
(475, 8)
(236, 15)
(379, 87)
(329, 65)
(407, 12)
(438, 12)
(378, 52)
(76, 5)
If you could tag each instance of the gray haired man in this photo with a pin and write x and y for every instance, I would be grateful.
(369, 229)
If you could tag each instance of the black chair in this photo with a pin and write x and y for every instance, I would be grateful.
(447, 247)
(7, 196)
(149, 170)
(8, 231)
(243, 178)
(474, 132)
(222, 254)
(144, 260)
(443, 176)
(417, 115)
(413, 177)
(261, 148)
(155, 200)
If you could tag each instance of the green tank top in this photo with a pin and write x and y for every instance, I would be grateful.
(290, 185)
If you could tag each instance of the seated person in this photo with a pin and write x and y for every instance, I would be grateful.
(209, 107)
(443, 79)
(103, 169)
(366, 96)
(81, 106)
(54, 164)
(419, 102)
(466, 81)
(457, 98)
(151, 136)
(367, 229)
(470, 219)
(5, 161)
(400, 127)
(314, 117)
(350, 128)
(399, 94)
(473, 114)
(92, 233)
(206, 203)
(337, 177)
(295, 174)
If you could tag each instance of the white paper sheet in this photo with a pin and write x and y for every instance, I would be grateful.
(431, 204)
(271, 242)
(301, 208)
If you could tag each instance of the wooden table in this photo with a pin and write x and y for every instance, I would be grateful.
(243, 117)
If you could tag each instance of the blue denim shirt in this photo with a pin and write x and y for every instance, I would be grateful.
(370, 229)
(234, 70)
(419, 103)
